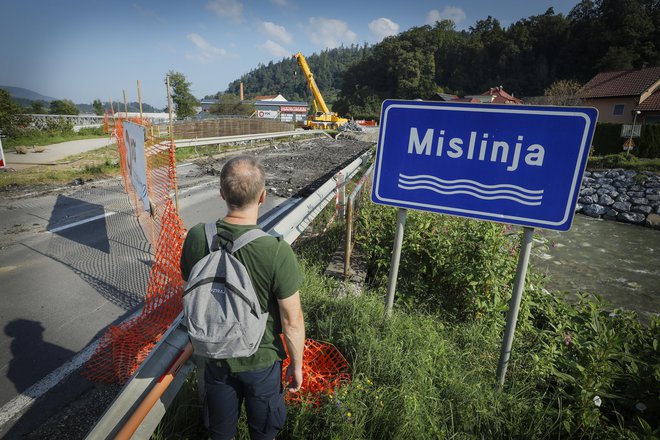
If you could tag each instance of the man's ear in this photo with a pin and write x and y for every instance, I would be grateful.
(262, 197)
(222, 194)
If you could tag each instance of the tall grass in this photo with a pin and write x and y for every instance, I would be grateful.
(578, 370)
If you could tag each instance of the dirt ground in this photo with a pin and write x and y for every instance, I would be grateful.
(298, 168)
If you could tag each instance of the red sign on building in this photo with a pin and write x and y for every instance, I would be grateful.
(293, 109)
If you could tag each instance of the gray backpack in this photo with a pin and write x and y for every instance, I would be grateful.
(221, 309)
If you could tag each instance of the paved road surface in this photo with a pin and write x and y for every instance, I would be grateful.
(71, 264)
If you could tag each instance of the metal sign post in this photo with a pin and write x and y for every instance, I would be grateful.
(514, 305)
(396, 257)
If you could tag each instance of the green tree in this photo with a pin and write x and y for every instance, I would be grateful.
(231, 105)
(63, 107)
(11, 115)
(98, 107)
(184, 101)
(38, 107)
(562, 92)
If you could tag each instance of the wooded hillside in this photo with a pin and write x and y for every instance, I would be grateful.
(285, 76)
(525, 57)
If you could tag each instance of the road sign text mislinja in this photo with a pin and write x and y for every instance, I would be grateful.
(457, 147)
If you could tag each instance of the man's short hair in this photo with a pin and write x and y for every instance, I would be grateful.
(242, 181)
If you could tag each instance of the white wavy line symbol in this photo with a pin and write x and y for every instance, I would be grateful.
(472, 188)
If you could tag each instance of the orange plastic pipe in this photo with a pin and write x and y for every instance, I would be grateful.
(150, 400)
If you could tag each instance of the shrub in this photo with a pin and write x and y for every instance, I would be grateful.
(91, 131)
(649, 143)
(607, 139)
(458, 267)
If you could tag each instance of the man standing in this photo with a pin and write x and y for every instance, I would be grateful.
(276, 277)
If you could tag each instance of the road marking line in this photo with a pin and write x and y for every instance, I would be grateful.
(82, 222)
(201, 185)
(27, 397)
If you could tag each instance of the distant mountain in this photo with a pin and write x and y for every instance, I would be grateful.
(21, 93)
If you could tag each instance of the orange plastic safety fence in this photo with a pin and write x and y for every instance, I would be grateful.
(123, 348)
(324, 369)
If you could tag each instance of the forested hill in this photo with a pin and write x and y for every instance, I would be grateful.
(525, 58)
(286, 77)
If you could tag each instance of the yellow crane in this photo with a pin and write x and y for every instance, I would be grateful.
(323, 118)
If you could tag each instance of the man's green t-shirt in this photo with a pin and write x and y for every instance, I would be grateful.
(274, 273)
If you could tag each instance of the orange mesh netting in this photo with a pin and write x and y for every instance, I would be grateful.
(324, 369)
(123, 348)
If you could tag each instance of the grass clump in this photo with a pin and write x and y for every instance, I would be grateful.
(58, 131)
(96, 164)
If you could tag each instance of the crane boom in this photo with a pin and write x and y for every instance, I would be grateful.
(312, 84)
(323, 117)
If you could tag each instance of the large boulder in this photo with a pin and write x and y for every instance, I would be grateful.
(644, 209)
(588, 200)
(631, 217)
(605, 200)
(622, 206)
(653, 221)
(594, 210)
(611, 214)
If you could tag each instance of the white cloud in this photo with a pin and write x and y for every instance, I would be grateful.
(281, 3)
(383, 27)
(148, 13)
(274, 49)
(329, 33)
(452, 13)
(207, 51)
(275, 31)
(227, 8)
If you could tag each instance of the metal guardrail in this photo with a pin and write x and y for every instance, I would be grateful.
(171, 345)
(197, 142)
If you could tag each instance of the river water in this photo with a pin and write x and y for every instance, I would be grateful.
(618, 261)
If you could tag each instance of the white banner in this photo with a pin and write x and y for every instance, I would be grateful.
(267, 114)
(3, 163)
(134, 136)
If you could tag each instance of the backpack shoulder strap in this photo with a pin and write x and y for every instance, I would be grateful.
(246, 238)
(212, 241)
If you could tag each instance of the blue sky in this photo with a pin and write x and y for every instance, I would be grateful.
(84, 50)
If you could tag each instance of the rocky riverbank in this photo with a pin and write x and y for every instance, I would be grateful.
(622, 195)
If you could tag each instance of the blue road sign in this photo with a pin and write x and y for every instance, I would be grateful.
(506, 163)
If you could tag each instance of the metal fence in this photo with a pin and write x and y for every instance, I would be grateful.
(353, 204)
(224, 127)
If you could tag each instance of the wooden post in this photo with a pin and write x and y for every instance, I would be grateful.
(125, 106)
(172, 147)
(140, 99)
(112, 108)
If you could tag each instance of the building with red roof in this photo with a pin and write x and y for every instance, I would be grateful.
(621, 95)
(495, 95)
